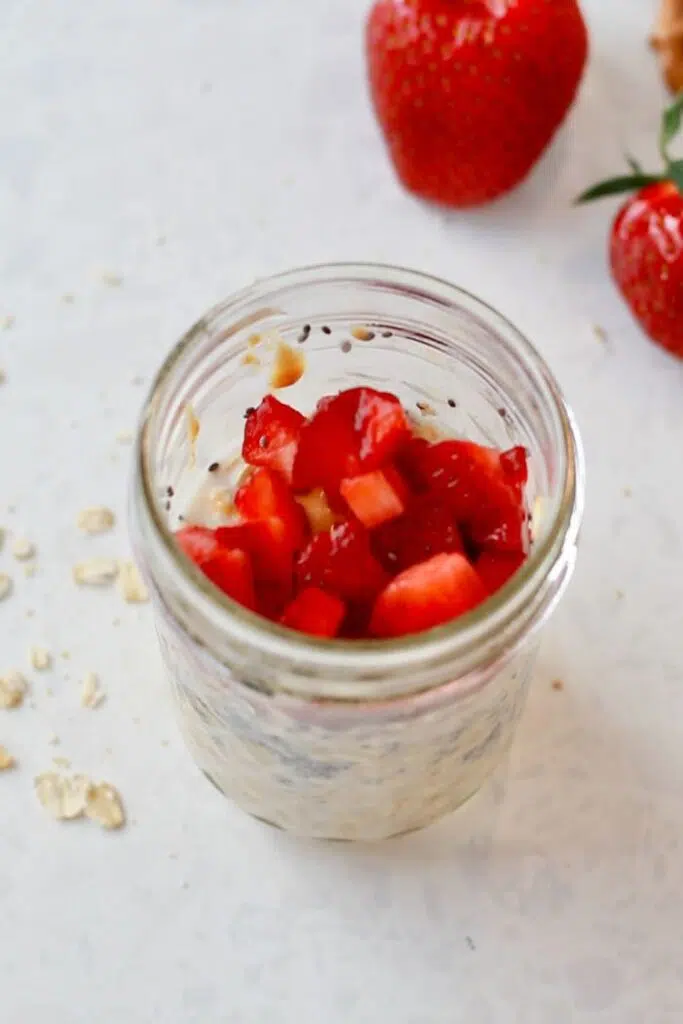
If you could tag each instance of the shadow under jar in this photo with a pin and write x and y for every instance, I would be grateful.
(356, 740)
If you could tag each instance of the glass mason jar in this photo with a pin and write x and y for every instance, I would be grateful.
(356, 740)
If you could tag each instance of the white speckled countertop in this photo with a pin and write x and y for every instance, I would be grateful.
(190, 146)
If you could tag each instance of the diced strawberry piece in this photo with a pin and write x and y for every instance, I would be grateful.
(328, 446)
(376, 497)
(230, 571)
(428, 527)
(470, 479)
(410, 460)
(499, 526)
(515, 466)
(381, 424)
(341, 562)
(272, 558)
(271, 436)
(427, 595)
(315, 612)
(197, 542)
(265, 495)
(459, 465)
(357, 430)
(495, 569)
(265, 540)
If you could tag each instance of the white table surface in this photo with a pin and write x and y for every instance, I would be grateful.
(190, 146)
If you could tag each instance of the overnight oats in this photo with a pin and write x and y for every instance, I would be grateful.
(357, 497)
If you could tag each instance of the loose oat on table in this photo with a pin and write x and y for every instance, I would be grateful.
(63, 796)
(68, 298)
(96, 572)
(91, 695)
(125, 437)
(23, 549)
(8, 322)
(105, 806)
(96, 519)
(5, 586)
(13, 689)
(41, 659)
(7, 761)
(30, 569)
(61, 762)
(112, 280)
(131, 585)
(3, 376)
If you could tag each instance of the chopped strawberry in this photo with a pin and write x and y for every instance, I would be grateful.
(428, 527)
(427, 595)
(354, 431)
(315, 612)
(271, 436)
(341, 562)
(265, 540)
(197, 542)
(328, 447)
(495, 569)
(515, 465)
(265, 495)
(470, 479)
(230, 571)
(376, 497)
(410, 461)
(381, 424)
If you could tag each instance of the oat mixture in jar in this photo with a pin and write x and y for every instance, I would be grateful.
(349, 739)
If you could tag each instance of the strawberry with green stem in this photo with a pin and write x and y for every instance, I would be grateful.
(646, 245)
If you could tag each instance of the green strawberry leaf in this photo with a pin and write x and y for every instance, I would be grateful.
(634, 165)
(671, 123)
(617, 186)
(675, 172)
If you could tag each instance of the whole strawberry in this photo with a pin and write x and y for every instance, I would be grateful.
(646, 245)
(469, 93)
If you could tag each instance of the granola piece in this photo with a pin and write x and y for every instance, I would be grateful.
(667, 40)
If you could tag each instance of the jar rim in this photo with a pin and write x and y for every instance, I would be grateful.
(524, 599)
